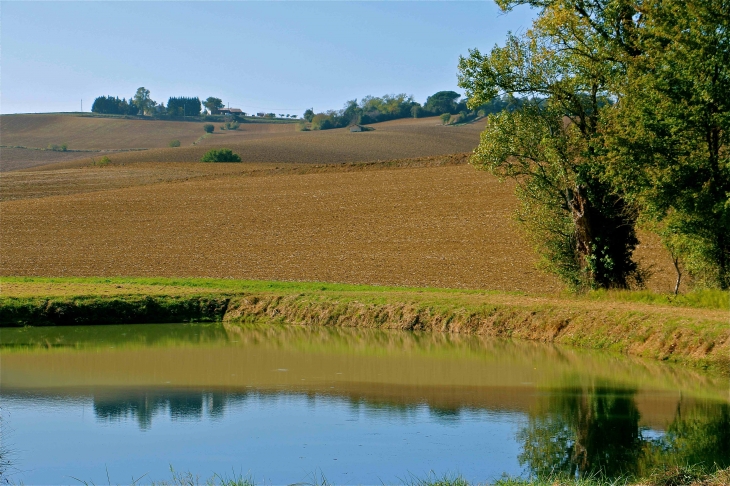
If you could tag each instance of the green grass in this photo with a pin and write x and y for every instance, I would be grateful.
(703, 298)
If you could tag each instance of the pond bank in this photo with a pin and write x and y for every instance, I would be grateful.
(692, 329)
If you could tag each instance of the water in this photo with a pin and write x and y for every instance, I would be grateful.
(289, 404)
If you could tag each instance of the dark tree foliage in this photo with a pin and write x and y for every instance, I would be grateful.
(112, 105)
(443, 102)
(221, 155)
(183, 106)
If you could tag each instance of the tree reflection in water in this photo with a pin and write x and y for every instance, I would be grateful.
(580, 432)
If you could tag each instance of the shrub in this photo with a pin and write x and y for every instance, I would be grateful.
(208, 128)
(445, 117)
(58, 148)
(302, 126)
(222, 155)
(103, 162)
(232, 125)
(175, 143)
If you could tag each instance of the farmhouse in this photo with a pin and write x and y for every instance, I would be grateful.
(230, 111)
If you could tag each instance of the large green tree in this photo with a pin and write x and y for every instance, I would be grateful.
(213, 104)
(669, 138)
(583, 227)
(657, 134)
(143, 101)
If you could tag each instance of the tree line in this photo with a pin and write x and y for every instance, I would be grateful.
(625, 124)
(373, 109)
(142, 104)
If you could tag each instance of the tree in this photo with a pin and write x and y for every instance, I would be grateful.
(222, 155)
(442, 102)
(213, 104)
(309, 114)
(209, 128)
(669, 140)
(184, 106)
(143, 101)
(581, 223)
(667, 136)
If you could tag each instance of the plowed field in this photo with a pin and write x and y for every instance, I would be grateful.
(305, 206)
(255, 142)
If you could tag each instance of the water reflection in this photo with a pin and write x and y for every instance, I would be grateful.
(566, 411)
(578, 432)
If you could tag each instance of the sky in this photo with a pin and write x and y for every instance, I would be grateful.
(281, 57)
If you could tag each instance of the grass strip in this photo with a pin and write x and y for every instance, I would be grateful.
(693, 330)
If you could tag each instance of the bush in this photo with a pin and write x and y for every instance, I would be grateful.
(208, 128)
(103, 162)
(232, 125)
(58, 148)
(175, 143)
(222, 155)
(445, 117)
(302, 126)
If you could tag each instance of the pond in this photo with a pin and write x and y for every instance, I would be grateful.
(292, 404)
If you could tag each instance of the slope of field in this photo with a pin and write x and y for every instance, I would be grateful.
(447, 226)
(81, 132)
(22, 158)
(274, 143)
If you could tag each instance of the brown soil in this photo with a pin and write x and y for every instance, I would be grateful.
(306, 206)
(255, 142)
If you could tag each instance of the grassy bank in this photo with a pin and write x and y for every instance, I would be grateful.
(691, 329)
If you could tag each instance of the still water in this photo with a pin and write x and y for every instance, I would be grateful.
(286, 404)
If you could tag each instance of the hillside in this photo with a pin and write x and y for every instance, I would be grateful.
(313, 206)
(256, 142)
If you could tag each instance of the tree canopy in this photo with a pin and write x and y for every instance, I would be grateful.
(619, 129)
(143, 101)
(213, 104)
(113, 106)
(183, 106)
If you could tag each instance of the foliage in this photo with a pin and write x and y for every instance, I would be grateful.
(322, 122)
(442, 102)
(221, 155)
(213, 104)
(104, 161)
(582, 227)
(174, 143)
(182, 106)
(143, 101)
(113, 106)
(209, 128)
(445, 117)
(232, 125)
(309, 114)
(664, 141)
(669, 138)
(58, 148)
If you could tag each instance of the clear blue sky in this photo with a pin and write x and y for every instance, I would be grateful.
(281, 57)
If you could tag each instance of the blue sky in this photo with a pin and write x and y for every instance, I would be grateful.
(282, 57)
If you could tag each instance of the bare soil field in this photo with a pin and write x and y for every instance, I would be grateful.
(255, 142)
(306, 206)
(443, 226)
(92, 133)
